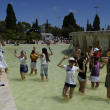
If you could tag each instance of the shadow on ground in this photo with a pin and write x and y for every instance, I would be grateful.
(67, 52)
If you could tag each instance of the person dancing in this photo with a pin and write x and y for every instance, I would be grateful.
(94, 77)
(44, 62)
(70, 75)
(107, 81)
(33, 56)
(23, 65)
(82, 76)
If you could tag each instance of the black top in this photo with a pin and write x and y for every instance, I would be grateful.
(82, 75)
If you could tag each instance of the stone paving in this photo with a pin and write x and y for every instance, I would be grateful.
(6, 97)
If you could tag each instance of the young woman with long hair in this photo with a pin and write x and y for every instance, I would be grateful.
(82, 76)
(44, 62)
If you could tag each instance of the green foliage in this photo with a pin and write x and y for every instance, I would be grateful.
(69, 25)
(46, 26)
(33, 35)
(26, 25)
(35, 25)
(2, 26)
(19, 27)
(10, 18)
(96, 23)
(10, 34)
(21, 35)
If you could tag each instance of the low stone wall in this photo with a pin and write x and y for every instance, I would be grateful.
(91, 38)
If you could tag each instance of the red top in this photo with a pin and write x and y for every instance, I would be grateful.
(97, 55)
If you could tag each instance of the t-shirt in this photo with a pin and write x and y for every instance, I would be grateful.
(97, 55)
(22, 60)
(95, 69)
(43, 59)
(70, 74)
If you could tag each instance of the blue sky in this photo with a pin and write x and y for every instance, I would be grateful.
(29, 10)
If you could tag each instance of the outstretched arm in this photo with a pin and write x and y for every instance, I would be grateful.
(50, 51)
(105, 59)
(16, 54)
(71, 53)
(59, 64)
(102, 66)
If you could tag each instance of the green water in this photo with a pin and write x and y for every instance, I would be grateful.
(33, 94)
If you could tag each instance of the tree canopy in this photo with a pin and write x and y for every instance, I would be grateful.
(10, 17)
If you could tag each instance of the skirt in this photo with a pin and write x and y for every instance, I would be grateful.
(94, 78)
(33, 65)
(107, 81)
(3, 64)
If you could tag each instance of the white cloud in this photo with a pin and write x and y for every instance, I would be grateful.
(73, 11)
(11, 2)
(54, 8)
(25, 4)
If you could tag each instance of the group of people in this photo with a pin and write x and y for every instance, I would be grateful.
(79, 63)
(44, 56)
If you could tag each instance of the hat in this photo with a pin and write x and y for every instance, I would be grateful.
(96, 49)
(71, 59)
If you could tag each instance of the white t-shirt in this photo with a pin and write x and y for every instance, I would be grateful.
(22, 60)
(70, 74)
(43, 59)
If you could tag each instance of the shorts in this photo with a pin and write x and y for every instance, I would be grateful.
(44, 70)
(75, 58)
(23, 68)
(107, 81)
(80, 79)
(70, 85)
(33, 65)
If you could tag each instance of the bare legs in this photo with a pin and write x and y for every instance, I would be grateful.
(65, 91)
(82, 86)
(32, 71)
(42, 77)
(108, 93)
(96, 86)
(22, 75)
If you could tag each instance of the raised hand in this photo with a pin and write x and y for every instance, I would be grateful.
(15, 50)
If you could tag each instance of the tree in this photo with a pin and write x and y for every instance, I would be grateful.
(46, 27)
(10, 34)
(35, 24)
(19, 27)
(69, 20)
(10, 17)
(2, 26)
(26, 25)
(96, 23)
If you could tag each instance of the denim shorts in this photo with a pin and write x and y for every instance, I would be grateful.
(70, 85)
(44, 70)
(23, 68)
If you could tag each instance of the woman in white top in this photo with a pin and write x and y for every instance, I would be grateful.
(70, 75)
(23, 65)
(2, 62)
(44, 62)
